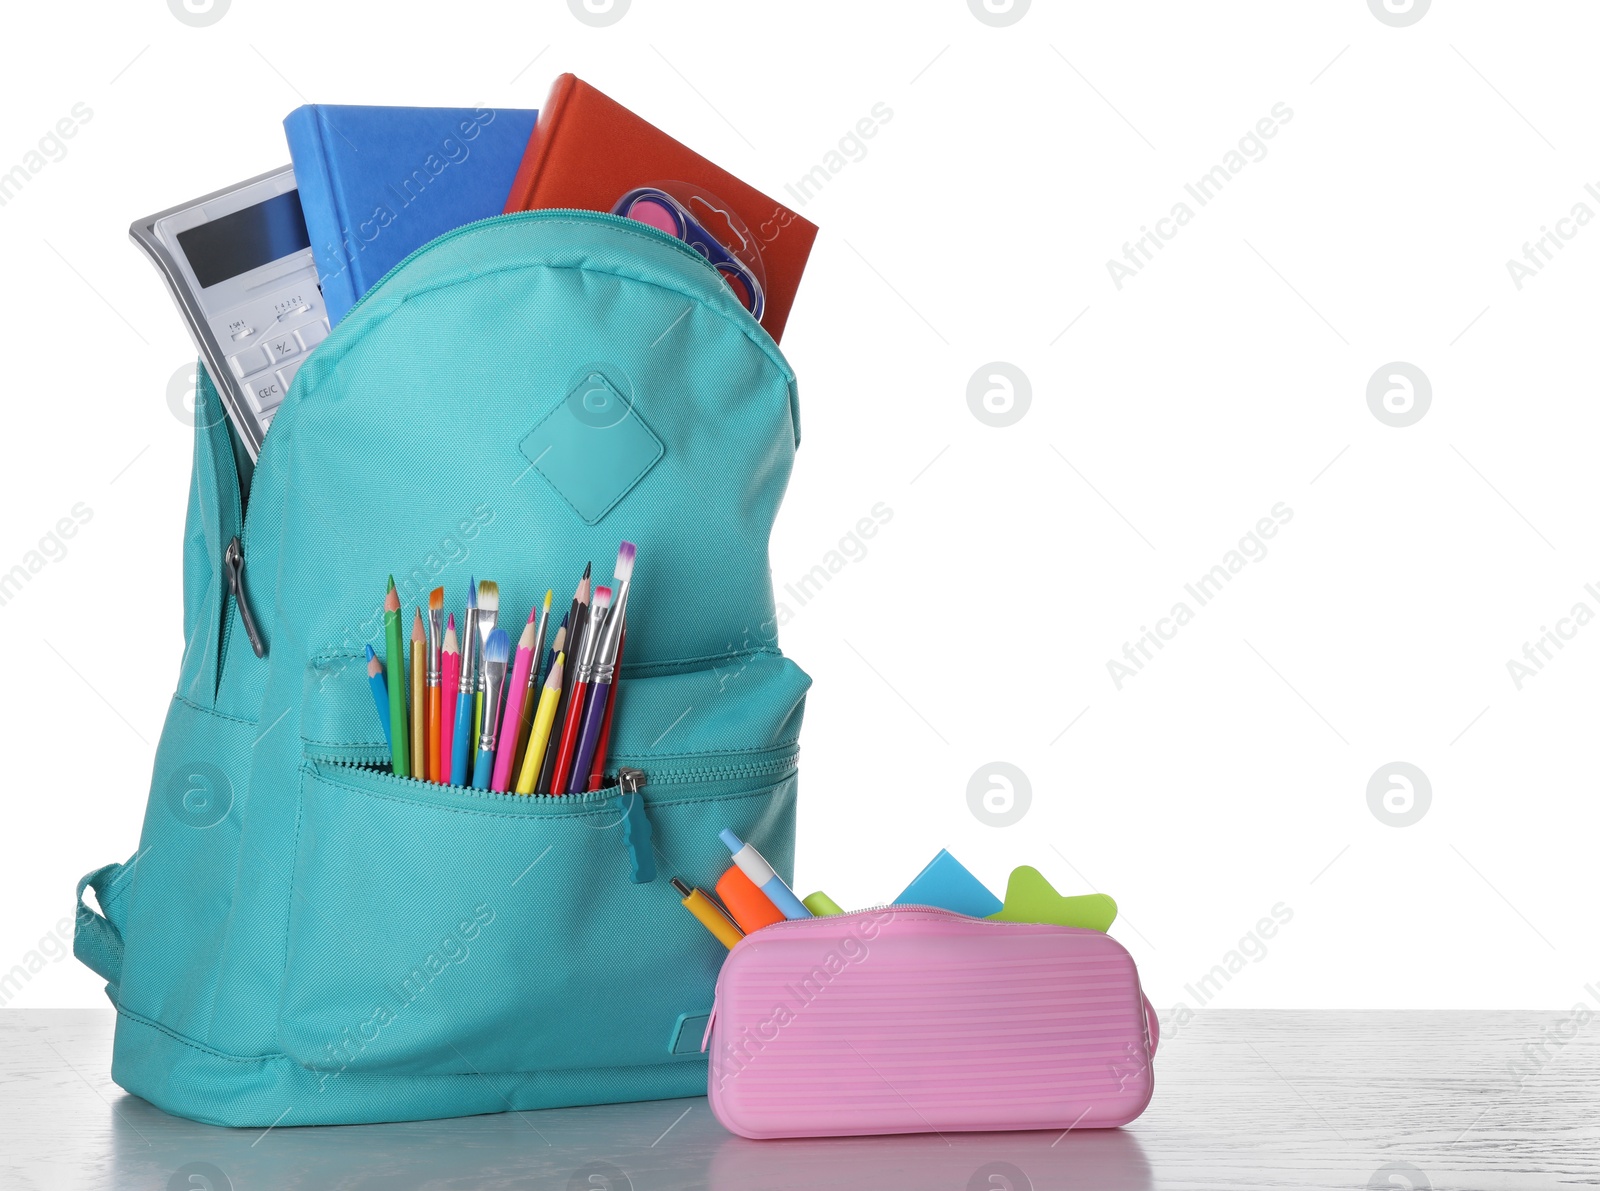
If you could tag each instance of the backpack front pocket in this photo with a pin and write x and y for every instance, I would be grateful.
(440, 930)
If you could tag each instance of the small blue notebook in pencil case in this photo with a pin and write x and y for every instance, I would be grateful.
(377, 183)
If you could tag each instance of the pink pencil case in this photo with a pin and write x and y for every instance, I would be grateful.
(911, 1019)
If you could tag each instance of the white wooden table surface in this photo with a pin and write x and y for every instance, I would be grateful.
(1244, 1099)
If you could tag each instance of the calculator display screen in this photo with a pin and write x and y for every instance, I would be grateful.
(246, 239)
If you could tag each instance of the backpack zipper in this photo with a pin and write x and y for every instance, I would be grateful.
(601, 217)
(626, 780)
(233, 570)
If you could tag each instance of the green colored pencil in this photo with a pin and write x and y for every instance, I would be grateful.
(399, 738)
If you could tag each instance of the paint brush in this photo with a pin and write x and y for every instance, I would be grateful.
(488, 610)
(496, 653)
(588, 645)
(399, 744)
(597, 767)
(466, 695)
(435, 679)
(598, 681)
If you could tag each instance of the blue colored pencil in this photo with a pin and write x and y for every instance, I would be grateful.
(380, 691)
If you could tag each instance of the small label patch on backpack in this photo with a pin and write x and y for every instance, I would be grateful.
(593, 448)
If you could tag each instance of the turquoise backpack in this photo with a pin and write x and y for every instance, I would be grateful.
(304, 938)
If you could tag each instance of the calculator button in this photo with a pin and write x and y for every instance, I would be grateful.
(281, 347)
(286, 374)
(266, 419)
(265, 393)
(252, 359)
(312, 334)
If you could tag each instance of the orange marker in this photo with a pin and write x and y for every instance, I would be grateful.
(746, 904)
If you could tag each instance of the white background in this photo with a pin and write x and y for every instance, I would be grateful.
(1166, 418)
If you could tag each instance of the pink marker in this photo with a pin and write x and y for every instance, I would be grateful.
(511, 725)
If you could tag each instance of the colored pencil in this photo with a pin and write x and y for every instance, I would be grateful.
(380, 690)
(449, 679)
(496, 653)
(419, 698)
(516, 695)
(543, 720)
(399, 744)
(574, 622)
(463, 744)
(530, 696)
(435, 682)
(573, 724)
(599, 680)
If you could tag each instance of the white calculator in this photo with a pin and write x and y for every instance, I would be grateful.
(239, 265)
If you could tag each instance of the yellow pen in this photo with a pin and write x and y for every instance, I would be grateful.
(543, 720)
(710, 914)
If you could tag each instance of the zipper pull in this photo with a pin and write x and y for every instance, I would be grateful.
(637, 834)
(705, 1039)
(233, 565)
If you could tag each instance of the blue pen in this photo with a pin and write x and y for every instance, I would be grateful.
(754, 865)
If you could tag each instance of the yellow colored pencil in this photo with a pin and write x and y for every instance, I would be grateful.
(539, 736)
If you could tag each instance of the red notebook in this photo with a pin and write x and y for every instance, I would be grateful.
(587, 151)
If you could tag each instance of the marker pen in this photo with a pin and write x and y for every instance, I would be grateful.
(755, 866)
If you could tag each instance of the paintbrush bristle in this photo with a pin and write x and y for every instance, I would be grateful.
(497, 648)
(472, 594)
(529, 632)
(489, 596)
(436, 600)
(625, 553)
(391, 602)
(374, 666)
(602, 596)
(548, 593)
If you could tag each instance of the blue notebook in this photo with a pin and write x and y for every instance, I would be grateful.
(377, 183)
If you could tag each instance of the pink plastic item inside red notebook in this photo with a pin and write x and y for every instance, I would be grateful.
(909, 1020)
